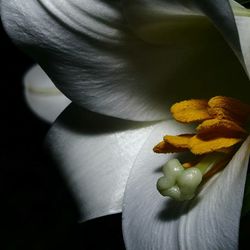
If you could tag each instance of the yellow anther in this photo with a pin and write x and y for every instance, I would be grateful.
(179, 141)
(190, 111)
(213, 128)
(164, 147)
(228, 108)
(199, 146)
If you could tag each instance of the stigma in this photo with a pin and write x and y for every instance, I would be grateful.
(221, 129)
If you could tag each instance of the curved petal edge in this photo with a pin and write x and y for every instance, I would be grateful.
(95, 154)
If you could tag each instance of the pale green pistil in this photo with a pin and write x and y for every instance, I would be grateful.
(181, 184)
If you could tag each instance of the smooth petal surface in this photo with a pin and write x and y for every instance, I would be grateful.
(184, 16)
(95, 153)
(132, 68)
(221, 15)
(233, 21)
(210, 221)
(42, 96)
(243, 26)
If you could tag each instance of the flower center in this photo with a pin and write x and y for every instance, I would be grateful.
(221, 129)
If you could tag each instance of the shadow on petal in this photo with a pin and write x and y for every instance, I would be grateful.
(80, 120)
(175, 209)
(95, 154)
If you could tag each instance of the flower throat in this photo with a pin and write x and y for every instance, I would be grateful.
(221, 130)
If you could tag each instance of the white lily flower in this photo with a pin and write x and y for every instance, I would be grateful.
(131, 60)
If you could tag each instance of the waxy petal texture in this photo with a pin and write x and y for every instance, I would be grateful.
(133, 66)
(209, 221)
(41, 95)
(243, 25)
(95, 154)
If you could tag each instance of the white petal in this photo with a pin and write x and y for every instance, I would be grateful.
(88, 50)
(233, 21)
(190, 37)
(41, 95)
(95, 154)
(147, 17)
(243, 25)
(210, 221)
(221, 15)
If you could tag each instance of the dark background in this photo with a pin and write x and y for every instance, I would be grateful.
(36, 208)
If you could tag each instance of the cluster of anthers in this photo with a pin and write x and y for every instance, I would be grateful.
(221, 130)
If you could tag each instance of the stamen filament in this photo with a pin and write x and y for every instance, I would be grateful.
(208, 161)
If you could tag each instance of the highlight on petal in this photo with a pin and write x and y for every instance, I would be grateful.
(101, 60)
(209, 221)
(41, 95)
(95, 154)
